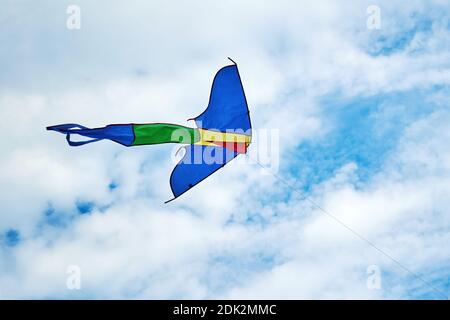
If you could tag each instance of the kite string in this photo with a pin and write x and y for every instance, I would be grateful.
(357, 234)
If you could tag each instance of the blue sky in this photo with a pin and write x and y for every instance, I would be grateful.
(364, 130)
(362, 117)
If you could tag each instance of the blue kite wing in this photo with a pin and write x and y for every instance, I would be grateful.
(198, 163)
(227, 110)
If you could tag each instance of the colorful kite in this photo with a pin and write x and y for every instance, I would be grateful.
(223, 132)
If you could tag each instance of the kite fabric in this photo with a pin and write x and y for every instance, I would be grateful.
(223, 132)
(131, 134)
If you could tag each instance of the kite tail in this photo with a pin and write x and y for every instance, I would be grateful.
(130, 134)
(120, 133)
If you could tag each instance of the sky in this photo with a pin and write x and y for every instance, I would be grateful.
(350, 202)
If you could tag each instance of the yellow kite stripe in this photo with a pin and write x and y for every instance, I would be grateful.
(209, 136)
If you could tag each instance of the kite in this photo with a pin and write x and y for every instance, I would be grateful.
(223, 131)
